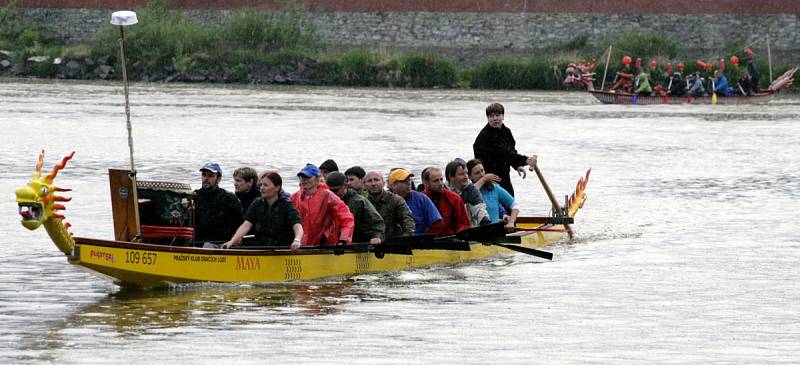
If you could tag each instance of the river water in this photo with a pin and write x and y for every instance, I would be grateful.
(686, 251)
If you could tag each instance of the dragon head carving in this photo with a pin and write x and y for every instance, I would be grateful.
(39, 205)
(580, 74)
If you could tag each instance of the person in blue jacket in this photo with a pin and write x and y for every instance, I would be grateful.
(721, 87)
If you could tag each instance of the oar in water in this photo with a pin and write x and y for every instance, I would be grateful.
(530, 251)
(494, 233)
(400, 248)
(401, 245)
(396, 248)
(552, 198)
(378, 249)
(429, 242)
(540, 230)
(396, 245)
(487, 232)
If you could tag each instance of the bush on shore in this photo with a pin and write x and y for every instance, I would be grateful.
(427, 70)
(160, 40)
(636, 43)
(17, 32)
(360, 67)
(513, 74)
(27, 38)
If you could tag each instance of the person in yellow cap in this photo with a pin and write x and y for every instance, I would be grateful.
(422, 208)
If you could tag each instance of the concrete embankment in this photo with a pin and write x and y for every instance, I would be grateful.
(468, 31)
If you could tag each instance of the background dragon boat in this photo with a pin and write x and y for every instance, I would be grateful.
(157, 256)
(582, 75)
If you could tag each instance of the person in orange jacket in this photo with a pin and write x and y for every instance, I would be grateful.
(326, 218)
(625, 80)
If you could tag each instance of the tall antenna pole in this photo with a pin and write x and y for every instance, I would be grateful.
(122, 19)
(608, 59)
(769, 58)
(125, 86)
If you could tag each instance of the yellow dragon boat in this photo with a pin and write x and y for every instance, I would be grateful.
(141, 260)
(153, 222)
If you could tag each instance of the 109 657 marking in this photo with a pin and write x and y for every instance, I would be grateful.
(145, 258)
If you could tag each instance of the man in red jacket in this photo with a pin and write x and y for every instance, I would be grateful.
(454, 213)
(326, 218)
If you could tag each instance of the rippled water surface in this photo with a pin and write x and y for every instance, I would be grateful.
(687, 249)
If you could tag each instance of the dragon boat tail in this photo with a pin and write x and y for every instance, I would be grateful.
(154, 254)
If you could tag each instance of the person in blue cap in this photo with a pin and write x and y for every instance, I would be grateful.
(326, 218)
(218, 213)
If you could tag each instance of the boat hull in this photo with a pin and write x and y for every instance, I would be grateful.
(607, 97)
(149, 265)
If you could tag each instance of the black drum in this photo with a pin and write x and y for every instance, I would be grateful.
(166, 212)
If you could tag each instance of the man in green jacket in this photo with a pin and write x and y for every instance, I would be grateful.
(369, 225)
(393, 209)
(643, 84)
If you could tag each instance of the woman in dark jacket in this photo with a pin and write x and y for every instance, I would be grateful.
(678, 87)
(274, 217)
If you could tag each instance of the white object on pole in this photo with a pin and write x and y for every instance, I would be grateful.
(124, 17)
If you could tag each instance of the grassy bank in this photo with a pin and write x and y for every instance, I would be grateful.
(251, 46)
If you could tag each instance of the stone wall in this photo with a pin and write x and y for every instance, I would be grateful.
(470, 30)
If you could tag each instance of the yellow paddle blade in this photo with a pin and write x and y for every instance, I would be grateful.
(713, 92)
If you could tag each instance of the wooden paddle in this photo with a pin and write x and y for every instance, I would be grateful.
(553, 201)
